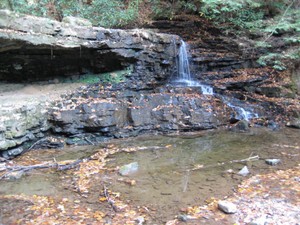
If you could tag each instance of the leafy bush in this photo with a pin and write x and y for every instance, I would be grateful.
(280, 61)
(106, 13)
(238, 13)
(168, 9)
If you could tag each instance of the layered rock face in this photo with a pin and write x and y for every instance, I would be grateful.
(114, 113)
(21, 123)
(35, 48)
(40, 49)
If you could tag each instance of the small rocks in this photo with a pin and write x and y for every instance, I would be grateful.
(182, 218)
(2, 166)
(259, 221)
(294, 123)
(272, 162)
(140, 220)
(230, 171)
(129, 169)
(227, 207)
(15, 175)
(8, 154)
(244, 171)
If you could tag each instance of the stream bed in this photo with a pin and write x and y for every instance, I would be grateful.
(174, 172)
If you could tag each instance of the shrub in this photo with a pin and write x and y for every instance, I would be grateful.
(106, 13)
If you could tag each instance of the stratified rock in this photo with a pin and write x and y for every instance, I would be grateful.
(272, 162)
(227, 207)
(244, 171)
(21, 122)
(48, 48)
(8, 154)
(129, 169)
(137, 113)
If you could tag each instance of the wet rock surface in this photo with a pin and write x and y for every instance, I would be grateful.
(121, 114)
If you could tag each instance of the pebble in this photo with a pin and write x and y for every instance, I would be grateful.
(2, 166)
(140, 220)
(259, 221)
(227, 207)
(244, 171)
(272, 162)
(229, 171)
(129, 169)
(15, 175)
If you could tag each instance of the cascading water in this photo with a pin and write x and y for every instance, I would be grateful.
(184, 77)
(242, 113)
(184, 73)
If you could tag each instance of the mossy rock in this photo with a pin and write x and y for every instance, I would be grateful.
(77, 21)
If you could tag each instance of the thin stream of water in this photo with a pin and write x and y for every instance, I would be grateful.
(184, 77)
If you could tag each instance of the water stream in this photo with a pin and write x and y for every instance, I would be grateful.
(184, 77)
(242, 111)
(166, 179)
(174, 171)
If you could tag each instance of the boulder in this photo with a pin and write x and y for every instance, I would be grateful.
(227, 207)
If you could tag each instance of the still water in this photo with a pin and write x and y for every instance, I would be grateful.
(174, 172)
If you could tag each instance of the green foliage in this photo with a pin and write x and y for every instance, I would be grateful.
(110, 77)
(272, 59)
(292, 40)
(111, 13)
(239, 13)
(106, 13)
(23, 6)
(279, 61)
(263, 44)
(290, 22)
(168, 9)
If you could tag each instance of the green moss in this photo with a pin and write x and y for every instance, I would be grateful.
(110, 77)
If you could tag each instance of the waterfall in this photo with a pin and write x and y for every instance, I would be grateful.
(243, 112)
(184, 77)
(184, 73)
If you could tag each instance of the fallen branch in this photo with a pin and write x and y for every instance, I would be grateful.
(64, 165)
(35, 143)
(109, 199)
